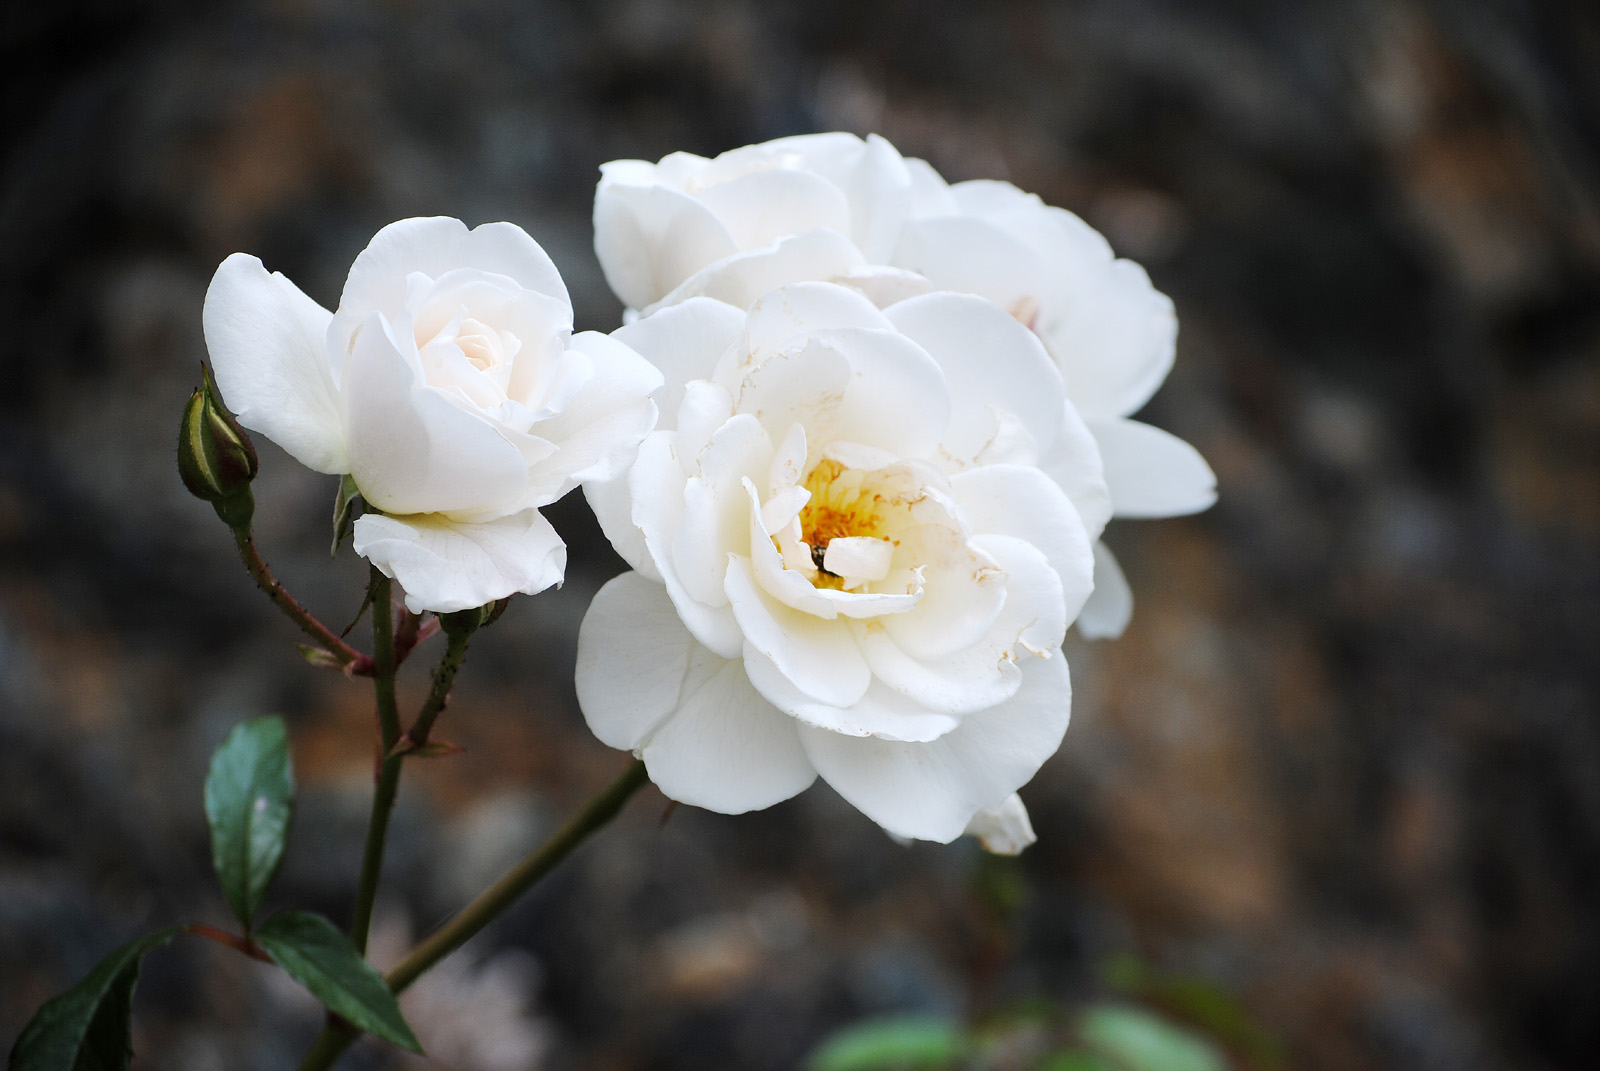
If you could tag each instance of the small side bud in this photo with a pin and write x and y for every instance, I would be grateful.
(216, 459)
(319, 657)
(463, 623)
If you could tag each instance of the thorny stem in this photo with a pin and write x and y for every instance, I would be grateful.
(354, 661)
(594, 815)
(389, 764)
(439, 695)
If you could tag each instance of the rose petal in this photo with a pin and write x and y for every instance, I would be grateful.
(600, 428)
(739, 280)
(761, 207)
(1107, 613)
(446, 565)
(1005, 830)
(817, 656)
(1152, 473)
(631, 617)
(612, 505)
(880, 712)
(988, 359)
(656, 484)
(413, 450)
(725, 748)
(1019, 501)
(684, 342)
(984, 673)
(1075, 464)
(268, 345)
(434, 246)
(791, 313)
(932, 791)
(649, 238)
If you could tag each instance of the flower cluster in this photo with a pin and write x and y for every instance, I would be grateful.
(893, 424)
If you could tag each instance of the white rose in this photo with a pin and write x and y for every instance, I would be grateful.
(449, 384)
(1110, 331)
(908, 232)
(656, 225)
(848, 562)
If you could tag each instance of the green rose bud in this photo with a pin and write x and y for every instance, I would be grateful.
(215, 457)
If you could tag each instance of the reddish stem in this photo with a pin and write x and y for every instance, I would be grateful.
(234, 941)
(354, 662)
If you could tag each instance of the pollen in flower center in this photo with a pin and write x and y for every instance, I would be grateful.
(843, 507)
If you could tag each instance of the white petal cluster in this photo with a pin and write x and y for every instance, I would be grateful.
(450, 385)
(836, 207)
(849, 561)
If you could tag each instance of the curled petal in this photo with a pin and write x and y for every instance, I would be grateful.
(268, 345)
(880, 712)
(740, 279)
(612, 504)
(819, 657)
(446, 565)
(932, 791)
(1005, 830)
(990, 362)
(1152, 473)
(378, 279)
(412, 449)
(684, 342)
(1020, 501)
(650, 239)
(600, 429)
(1109, 609)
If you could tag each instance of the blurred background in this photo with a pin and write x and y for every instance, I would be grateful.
(1343, 769)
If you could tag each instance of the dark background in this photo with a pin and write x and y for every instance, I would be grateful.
(1344, 765)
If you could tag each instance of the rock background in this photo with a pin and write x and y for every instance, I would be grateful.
(1345, 764)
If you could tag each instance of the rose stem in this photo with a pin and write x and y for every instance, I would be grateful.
(389, 764)
(494, 900)
(354, 661)
(443, 677)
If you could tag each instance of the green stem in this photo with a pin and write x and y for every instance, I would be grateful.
(389, 764)
(444, 676)
(353, 660)
(335, 1037)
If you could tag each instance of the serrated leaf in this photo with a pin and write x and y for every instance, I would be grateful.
(249, 802)
(1138, 1040)
(87, 1027)
(905, 1043)
(346, 506)
(323, 960)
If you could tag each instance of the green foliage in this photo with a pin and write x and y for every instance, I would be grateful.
(347, 506)
(1200, 1002)
(323, 960)
(249, 802)
(1076, 1060)
(908, 1043)
(87, 1027)
(1133, 1039)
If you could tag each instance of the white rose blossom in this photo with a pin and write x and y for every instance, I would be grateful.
(844, 209)
(848, 560)
(450, 386)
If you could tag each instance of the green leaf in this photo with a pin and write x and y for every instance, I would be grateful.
(1074, 1060)
(346, 507)
(323, 960)
(86, 1028)
(249, 801)
(905, 1043)
(1137, 1040)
